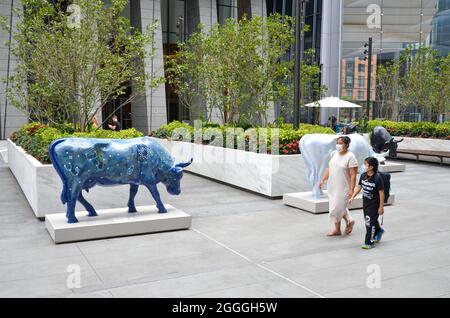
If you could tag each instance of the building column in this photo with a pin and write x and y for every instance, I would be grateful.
(14, 118)
(149, 112)
(207, 10)
(208, 13)
(258, 8)
(330, 51)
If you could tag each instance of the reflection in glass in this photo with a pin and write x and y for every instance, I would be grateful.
(226, 9)
(402, 23)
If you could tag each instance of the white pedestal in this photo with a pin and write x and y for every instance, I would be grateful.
(392, 167)
(116, 222)
(306, 202)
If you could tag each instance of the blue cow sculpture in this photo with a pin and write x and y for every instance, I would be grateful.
(83, 163)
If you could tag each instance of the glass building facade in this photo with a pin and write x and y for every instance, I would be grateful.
(312, 16)
(393, 25)
(440, 32)
(226, 9)
(173, 17)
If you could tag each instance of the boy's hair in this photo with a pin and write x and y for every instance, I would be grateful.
(371, 161)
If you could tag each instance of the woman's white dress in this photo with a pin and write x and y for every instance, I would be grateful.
(339, 184)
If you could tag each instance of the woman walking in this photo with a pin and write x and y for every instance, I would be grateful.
(341, 177)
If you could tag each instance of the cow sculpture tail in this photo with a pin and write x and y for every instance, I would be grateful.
(54, 159)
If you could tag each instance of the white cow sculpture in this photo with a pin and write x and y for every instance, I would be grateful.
(317, 150)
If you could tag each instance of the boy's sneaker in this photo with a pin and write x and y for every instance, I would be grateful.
(367, 246)
(378, 237)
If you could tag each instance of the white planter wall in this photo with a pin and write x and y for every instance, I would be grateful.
(42, 186)
(40, 183)
(270, 175)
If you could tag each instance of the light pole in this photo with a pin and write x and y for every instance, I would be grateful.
(368, 57)
(180, 26)
(3, 134)
(299, 9)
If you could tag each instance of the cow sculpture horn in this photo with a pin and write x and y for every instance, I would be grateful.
(184, 164)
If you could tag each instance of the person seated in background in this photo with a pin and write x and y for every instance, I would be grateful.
(115, 125)
(332, 122)
(94, 122)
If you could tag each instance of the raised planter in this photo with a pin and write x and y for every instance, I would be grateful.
(40, 183)
(269, 175)
(41, 186)
(424, 144)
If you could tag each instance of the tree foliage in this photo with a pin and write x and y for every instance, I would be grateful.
(238, 69)
(72, 61)
(418, 78)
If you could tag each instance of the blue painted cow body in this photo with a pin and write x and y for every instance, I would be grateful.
(83, 163)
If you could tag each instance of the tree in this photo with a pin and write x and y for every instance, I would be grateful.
(441, 95)
(312, 89)
(237, 68)
(419, 79)
(72, 61)
(388, 76)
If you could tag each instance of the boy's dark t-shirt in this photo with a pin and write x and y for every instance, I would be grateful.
(371, 187)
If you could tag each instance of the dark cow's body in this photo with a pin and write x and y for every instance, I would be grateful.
(83, 163)
(381, 140)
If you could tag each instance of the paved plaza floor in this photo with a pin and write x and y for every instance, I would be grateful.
(240, 245)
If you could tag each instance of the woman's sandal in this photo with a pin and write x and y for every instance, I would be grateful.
(349, 228)
(334, 234)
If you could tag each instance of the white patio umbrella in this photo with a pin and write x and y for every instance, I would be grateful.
(333, 102)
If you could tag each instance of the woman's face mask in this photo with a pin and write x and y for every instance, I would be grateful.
(339, 147)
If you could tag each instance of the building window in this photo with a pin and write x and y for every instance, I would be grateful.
(172, 11)
(349, 81)
(361, 68)
(349, 93)
(226, 9)
(362, 81)
(349, 74)
(173, 25)
(361, 95)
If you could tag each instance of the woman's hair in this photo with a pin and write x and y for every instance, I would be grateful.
(346, 140)
(373, 162)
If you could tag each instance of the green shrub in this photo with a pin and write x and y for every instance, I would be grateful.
(35, 138)
(442, 131)
(166, 131)
(288, 136)
(417, 129)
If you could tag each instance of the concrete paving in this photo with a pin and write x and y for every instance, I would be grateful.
(240, 245)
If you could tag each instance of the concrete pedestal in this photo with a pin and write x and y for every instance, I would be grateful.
(305, 201)
(116, 222)
(392, 167)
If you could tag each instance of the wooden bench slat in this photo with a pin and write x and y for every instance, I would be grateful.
(445, 154)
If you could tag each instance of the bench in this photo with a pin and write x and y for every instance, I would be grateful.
(431, 153)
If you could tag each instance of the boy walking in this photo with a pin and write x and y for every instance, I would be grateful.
(373, 201)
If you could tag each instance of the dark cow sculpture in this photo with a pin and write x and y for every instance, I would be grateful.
(83, 163)
(381, 140)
